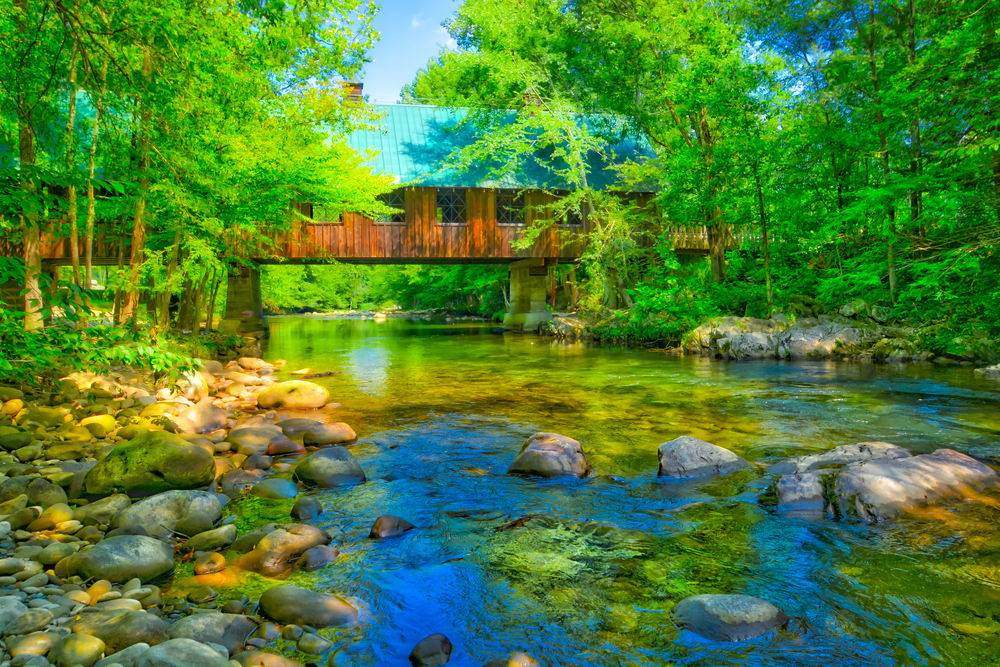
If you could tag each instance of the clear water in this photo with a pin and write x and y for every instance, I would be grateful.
(590, 576)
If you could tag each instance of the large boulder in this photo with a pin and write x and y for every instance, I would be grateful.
(550, 455)
(329, 434)
(288, 604)
(292, 395)
(688, 457)
(841, 456)
(154, 461)
(882, 488)
(329, 468)
(121, 558)
(38, 490)
(727, 618)
(275, 553)
(159, 514)
(746, 346)
(229, 630)
(821, 341)
(181, 653)
(121, 628)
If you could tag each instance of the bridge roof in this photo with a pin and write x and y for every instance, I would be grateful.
(418, 139)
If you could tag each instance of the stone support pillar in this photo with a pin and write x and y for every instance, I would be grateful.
(529, 291)
(244, 311)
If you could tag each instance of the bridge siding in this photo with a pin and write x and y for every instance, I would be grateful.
(420, 238)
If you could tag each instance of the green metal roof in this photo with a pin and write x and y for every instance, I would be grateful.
(418, 139)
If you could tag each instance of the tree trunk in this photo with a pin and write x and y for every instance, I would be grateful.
(763, 238)
(116, 313)
(71, 213)
(210, 307)
(91, 203)
(139, 220)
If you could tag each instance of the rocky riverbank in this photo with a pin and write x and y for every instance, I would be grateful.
(172, 526)
(849, 335)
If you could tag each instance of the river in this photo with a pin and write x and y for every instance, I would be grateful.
(589, 577)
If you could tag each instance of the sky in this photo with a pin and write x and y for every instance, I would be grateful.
(411, 34)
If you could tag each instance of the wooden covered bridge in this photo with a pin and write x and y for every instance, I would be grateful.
(449, 217)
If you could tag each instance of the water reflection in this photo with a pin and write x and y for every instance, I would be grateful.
(592, 568)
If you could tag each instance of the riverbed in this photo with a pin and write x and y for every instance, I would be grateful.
(584, 572)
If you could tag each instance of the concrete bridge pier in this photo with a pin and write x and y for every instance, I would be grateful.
(244, 311)
(529, 291)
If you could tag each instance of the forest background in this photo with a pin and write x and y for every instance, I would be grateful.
(853, 147)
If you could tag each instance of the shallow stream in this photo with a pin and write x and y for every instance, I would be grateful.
(585, 572)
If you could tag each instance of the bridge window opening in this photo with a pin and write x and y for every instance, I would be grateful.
(325, 215)
(510, 207)
(451, 208)
(394, 199)
(571, 216)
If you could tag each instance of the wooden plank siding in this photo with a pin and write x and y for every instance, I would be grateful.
(423, 238)
(419, 239)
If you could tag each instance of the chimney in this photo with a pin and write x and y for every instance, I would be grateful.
(353, 90)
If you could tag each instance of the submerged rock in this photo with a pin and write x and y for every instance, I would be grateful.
(550, 455)
(331, 467)
(727, 618)
(288, 604)
(276, 551)
(882, 488)
(841, 456)
(688, 457)
(388, 526)
(431, 652)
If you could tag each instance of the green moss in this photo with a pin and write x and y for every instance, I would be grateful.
(252, 512)
(734, 484)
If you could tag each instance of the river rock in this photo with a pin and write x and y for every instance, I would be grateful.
(229, 630)
(329, 468)
(37, 643)
(841, 456)
(296, 425)
(288, 604)
(803, 491)
(126, 657)
(16, 440)
(275, 489)
(261, 659)
(210, 540)
(39, 491)
(205, 416)
(121, 558)
(120, 628)
(154, 461)
(77, 649)
(316, 558)
(329, 434)
(30, 621)
(279, 548)
(181, 653)
(10, 606)
(103, 510)
(432, 651)
(209, 563)
(550, 455)
(688, 457)
(882, 488)
(727, 618)
(159, 514)
(293, 395)
(746, 346)
(388, 526)
(820, 342)
(306, 509)
(251, 440)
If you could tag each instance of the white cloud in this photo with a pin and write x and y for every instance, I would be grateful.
(418, 20)
(449, 42)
